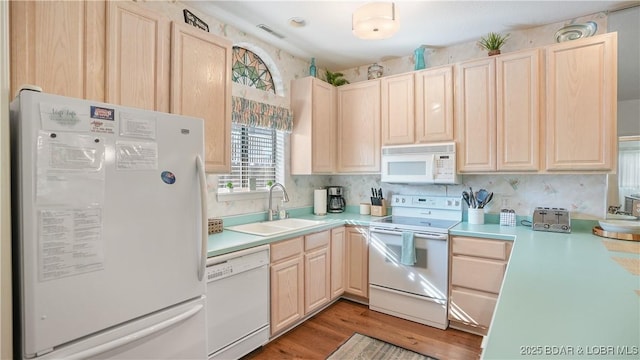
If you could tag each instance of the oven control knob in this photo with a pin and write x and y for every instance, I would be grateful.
(397, 199)
(403, 200)
(546, 226)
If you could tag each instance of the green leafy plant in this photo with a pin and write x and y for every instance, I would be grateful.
(269, 183)
(335, 78)
(229, 185)
(493, 41)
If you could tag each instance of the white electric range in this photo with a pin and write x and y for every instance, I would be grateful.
(417, 291)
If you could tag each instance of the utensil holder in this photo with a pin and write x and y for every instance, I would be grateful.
(379, 210)
(476, 216)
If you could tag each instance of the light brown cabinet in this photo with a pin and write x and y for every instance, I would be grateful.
(338, 261)
(137, 67)
(518, 96)
(313, 140)
(59, 46)
(194, 53)
(498, 113)
(124, 53)
(417, 107)
(359, 127)
(317, 271)
(287, 283)
(581, 100)
(357, 254)
(434, 104)
(478, 266)
(397, 106)
(476, 115)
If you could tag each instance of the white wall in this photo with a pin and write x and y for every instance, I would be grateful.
(5, 211)
(629, 117)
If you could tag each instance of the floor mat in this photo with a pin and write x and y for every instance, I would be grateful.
(362, 347)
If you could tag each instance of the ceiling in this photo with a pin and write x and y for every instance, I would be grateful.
(327, 34)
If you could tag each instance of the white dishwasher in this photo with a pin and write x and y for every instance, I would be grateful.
(237, 302)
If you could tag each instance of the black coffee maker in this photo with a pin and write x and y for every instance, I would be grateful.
(335, 200)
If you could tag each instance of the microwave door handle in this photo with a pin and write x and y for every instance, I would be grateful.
(434, 168)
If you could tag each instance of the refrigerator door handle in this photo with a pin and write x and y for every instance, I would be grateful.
(204, 221)
(89, 353)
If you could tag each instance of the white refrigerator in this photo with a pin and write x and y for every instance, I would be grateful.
(109, 231)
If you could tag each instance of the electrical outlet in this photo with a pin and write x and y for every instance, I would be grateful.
(506, 202)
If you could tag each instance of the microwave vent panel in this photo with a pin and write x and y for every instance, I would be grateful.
(419, 149)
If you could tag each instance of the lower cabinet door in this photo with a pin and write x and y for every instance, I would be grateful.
(317, 279)
(287, 293)
(472, 308)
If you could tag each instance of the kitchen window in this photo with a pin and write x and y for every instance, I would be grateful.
(255, 155)
(258, 129)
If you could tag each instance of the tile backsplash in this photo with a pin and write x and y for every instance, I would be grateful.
(583, 195)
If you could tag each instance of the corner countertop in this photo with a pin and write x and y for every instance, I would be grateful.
(229, 241)
(563, 297)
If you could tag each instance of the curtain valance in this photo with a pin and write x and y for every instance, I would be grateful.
(256, 114)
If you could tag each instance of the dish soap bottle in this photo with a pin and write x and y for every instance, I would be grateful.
(312, 68)
(282, 213)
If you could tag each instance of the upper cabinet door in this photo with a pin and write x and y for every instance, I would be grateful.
(398, 115)
(201, 87)
(581, 97)
(359, 127)
(518, 110)
(313, 139)
(434, 104)
(59, 46)
(476, 115)
(138, 57)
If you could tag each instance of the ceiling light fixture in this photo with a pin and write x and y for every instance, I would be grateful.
(378, 20)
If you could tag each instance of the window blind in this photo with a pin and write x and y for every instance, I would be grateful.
(254, 154)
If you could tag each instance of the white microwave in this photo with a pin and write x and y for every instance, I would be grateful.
(420, 164)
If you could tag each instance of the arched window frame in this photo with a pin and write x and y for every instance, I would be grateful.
(242, 135)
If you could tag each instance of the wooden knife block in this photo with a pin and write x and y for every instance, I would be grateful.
(379, 210)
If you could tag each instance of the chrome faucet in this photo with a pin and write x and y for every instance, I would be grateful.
(285, 198)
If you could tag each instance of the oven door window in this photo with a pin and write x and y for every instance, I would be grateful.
(428, 277)
(395, 251)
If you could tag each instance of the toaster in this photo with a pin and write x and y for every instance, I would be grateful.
(551, 219)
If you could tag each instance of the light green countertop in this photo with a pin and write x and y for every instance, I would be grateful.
(229, 241)
(563, 297)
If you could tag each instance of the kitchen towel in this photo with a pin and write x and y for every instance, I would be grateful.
(320, 201)
(408, 256)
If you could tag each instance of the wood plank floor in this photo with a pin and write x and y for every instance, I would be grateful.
(319, 336)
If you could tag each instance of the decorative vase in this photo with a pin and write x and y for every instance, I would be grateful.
(494, 52)
(418, 57)
(312, 68)
(374, 71)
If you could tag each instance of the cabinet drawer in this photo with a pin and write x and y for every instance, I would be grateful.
(492, 249)
(286, 249)
(478, 274)
(472, 308)
(317, 240)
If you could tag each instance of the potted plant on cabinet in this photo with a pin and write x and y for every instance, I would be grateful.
(493, 42)
(335, 78)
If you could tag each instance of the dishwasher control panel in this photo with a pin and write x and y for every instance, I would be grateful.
(224, 266)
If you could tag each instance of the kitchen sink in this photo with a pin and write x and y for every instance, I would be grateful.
(268, 228)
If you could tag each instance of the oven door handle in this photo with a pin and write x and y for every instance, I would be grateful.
(396, 231)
